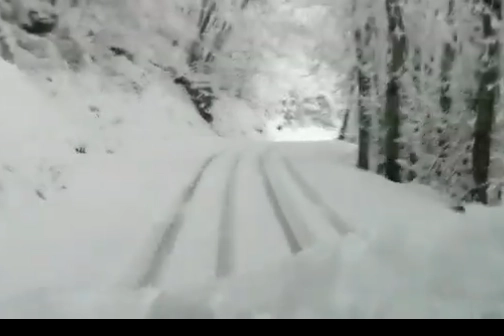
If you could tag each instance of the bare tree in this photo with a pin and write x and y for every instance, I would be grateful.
(363, 37)
(486, 100)
(398, 46)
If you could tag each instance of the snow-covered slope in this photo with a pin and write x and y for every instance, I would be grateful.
(132, 50)
(236, 118)
(36, 136)
(86, 159)
(42, 130)
(81, 154)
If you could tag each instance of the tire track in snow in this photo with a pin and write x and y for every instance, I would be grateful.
(309, 192)
(225, 247)
(168, 239)
(292, 240)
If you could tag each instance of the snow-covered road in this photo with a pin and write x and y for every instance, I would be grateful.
(248, 229)
(244, 209)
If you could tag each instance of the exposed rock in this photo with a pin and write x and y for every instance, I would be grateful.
(40, 25)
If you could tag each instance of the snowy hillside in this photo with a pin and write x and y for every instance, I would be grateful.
(69, 166)
(42, 132)
(133, 50)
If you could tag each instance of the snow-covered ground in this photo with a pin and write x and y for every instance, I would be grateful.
(131, 229)
(311, 133)
(279, 131)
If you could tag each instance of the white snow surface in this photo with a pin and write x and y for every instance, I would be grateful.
(310, 133)
(238, 119)
(77, 229)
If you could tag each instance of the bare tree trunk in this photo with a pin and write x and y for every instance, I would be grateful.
(344, 126)
(486, 100)
(364, 87)
(446, 101)
(448, 58)
(393, 100)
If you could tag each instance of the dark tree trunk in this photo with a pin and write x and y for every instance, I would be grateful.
(393, 99)
(448, 58)
(486, 100)
(364, 121)
(344, 126)
(364, 91)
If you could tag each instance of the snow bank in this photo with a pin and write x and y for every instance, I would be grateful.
(300, 134)
(84, 165)
(235, 118)
(112, 118)
(410, 256)
(36, 139)
(41, 131)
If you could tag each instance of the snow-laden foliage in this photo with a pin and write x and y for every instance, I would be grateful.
(443, 57)
(231, 48)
